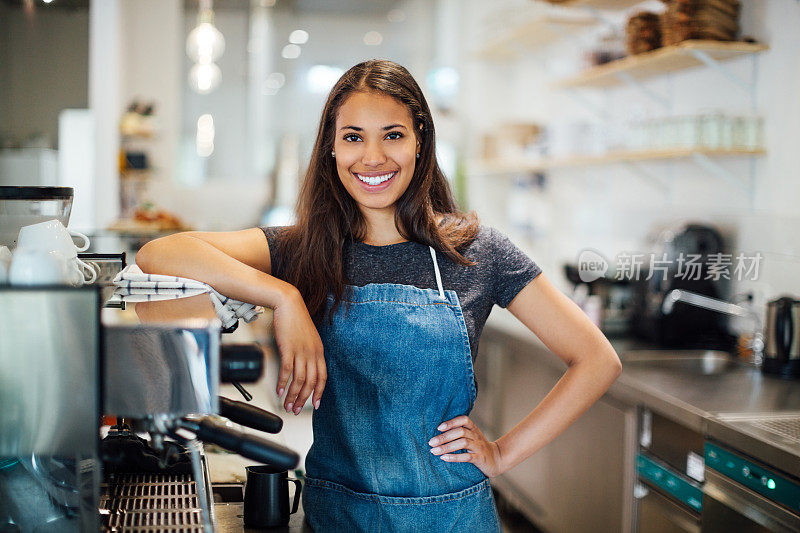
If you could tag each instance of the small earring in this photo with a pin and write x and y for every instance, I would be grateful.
(417, 155)
(333, 154)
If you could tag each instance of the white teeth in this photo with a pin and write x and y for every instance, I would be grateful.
(375, 180)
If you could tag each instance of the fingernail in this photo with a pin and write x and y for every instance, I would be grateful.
(289, 407)
(297, 410)
(442, 426)
(280, 391)
(436, 450)
(444, 457)
(316, 404)
(434, 441)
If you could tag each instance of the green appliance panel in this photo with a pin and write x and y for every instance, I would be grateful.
(769, 484)
(661, 476)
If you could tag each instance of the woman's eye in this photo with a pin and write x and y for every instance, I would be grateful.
(394, 135)
(351, 137)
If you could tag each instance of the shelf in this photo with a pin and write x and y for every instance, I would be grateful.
(616, 156)
(660, 61)
(599, 4)
(539, 30)
(138, 137)
(136, 174)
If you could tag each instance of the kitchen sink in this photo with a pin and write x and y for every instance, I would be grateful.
(706, 362)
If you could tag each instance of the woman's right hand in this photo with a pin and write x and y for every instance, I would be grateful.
(301, 353)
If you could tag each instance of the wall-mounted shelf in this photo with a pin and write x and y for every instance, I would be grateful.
(672, 58)
(599, 4)
(538, 30)
(617, 156)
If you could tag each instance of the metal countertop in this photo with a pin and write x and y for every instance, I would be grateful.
(719, 406)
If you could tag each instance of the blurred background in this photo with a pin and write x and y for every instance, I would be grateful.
(102, 96)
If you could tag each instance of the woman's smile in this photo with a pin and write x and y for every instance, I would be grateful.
(375, 181)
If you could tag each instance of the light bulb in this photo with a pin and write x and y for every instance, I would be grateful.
(290, 51)
(204, 77)
(373, 38)
(298, 37)
(205, 43)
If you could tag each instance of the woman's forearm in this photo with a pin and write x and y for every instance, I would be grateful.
(581, 385)
(190, 257)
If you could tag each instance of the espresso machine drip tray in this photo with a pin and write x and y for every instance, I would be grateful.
(151, 502)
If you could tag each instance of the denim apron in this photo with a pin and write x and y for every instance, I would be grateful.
(399, 364)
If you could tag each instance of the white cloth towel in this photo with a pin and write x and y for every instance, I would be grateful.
(133, 285)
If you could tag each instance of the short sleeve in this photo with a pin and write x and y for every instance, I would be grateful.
(275, 255)
(512, 269)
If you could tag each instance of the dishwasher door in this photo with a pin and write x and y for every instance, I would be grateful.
(668, 501)
(729, 506)
(659, 514)
(743, 495)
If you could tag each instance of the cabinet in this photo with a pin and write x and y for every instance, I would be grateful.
(590, 467)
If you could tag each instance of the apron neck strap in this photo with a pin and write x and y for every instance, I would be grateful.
(438, 275)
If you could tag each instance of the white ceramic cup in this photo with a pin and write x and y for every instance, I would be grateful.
(35, 267)
(85, 269)
(5, 256)
(5, 263)
(51, 235)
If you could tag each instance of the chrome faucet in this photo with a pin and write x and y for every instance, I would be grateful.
(721, 306)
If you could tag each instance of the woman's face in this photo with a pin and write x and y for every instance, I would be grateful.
(375, 149)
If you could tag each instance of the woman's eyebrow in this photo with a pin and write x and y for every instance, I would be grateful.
(356, 128)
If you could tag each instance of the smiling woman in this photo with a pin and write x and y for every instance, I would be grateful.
(399, 284)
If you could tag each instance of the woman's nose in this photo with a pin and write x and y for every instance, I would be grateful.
(373, 155)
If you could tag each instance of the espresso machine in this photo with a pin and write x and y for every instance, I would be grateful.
(51, 397)
(106, 411)
(161, 380)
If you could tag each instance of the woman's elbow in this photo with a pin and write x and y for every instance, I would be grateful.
(147, 256)
(614, 365)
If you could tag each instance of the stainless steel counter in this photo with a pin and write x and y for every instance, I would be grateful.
(711, 404)
(229, 520)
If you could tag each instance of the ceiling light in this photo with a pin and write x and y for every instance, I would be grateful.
(204, 78)
(298, 37)
(321, 78)
(373, 38)
(205, 43)
(290, 51)
(396, 15)
(204, 138)
(272, 84)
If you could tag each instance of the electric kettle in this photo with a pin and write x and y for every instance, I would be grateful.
(782, 338)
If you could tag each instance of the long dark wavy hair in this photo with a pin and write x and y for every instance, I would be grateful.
(327, 215)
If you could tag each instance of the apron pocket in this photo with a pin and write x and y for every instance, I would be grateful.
(333, 507)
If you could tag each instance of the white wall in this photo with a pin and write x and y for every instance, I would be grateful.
(151, 71)
(611, 208)
(105, 53)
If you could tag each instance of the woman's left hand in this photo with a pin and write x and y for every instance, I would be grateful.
(461, 433)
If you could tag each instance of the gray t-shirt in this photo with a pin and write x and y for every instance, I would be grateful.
(501, 270)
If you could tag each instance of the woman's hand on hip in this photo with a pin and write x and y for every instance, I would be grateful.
(461, 433)
(301, 353)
